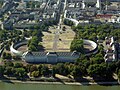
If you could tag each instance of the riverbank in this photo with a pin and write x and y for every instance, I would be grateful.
(61, 83)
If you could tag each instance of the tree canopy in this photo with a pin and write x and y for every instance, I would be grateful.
(77, 45)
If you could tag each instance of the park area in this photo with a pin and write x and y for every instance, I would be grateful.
(65, 38)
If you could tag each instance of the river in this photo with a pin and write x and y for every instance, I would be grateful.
(20, 86)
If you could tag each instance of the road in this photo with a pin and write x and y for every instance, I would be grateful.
(46, 5)
(57, 32)
(65, 4)
(56, 37)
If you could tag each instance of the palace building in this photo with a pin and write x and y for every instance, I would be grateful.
(50, 57)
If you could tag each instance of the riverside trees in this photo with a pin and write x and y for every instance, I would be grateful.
(82, 67)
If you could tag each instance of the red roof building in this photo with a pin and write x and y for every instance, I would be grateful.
(104, 16)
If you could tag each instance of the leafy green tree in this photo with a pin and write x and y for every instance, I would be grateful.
(27, 67)
(68, 22)
(40, 67)
(8, 63)
(61, 69)
(33, 44)
(110, 69)
(32, 48)
(9, 71)
(45, 71)
(8, 47)
(77, 71)
(119, 75)
(33, 68)
(3, 35)
(37, 33)
(20, 73)
(35, 74)
(6, 56)
(97, 59)
(1, 71)
(98, 70)
(77, 45)
(16, 57)
(18, 65)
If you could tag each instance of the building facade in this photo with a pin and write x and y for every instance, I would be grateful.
(50, 57)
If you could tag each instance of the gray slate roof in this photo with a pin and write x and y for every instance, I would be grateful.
(64, 54)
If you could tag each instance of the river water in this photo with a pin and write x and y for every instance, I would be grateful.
(20, 86)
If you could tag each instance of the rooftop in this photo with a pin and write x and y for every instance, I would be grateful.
(65, 54)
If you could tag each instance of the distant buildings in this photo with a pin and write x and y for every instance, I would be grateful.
(83, 11)
(92, 11)
(6, 7)
(111, 53)
(21, 17)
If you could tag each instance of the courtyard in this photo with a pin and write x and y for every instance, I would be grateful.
(65, 38)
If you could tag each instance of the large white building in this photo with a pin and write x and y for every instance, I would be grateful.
(50, 57)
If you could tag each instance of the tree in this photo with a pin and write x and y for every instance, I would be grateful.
(97, 70)
(45, 71)
(37, 33)
(8, 63)
(61, 69)
(97, 59)
(32, 48)
(40, 67)
(68, 22)
(119, 75)
(33, 44)
(1, 71)
(16, 57)
(7, 47)
(35, 74)
(110, 69)
(77, 71)
(93, 37)
(27, 67)
(108, 3)
(77, 45)
(79, 27)
(7, 56)
(20, 73)
(101, 50)
(9, 71)
(18, 65)
(33, 68)
(64, 28)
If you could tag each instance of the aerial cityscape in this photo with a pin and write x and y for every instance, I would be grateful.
(66, 42)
